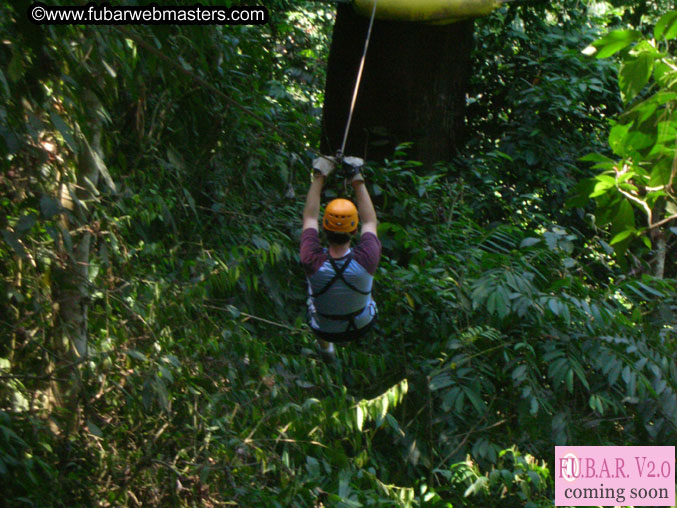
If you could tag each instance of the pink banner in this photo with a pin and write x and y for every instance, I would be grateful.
(614, 475)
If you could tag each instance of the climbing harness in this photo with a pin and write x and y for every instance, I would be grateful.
(338, 274)
(349, 332)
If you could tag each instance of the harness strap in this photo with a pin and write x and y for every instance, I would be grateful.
(345, 317)
(343, 269)
(338, 274)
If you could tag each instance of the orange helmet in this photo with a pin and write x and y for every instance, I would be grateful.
(340, 216)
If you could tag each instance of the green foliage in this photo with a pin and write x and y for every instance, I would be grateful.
(527, 333)
(535, 103)
(503, 325)
(517, 480)
(641, 176)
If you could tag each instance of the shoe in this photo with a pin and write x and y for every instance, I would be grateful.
(327, 355)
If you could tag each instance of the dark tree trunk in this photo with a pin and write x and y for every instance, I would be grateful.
(413, 87)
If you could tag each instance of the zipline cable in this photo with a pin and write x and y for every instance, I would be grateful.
(339, 154)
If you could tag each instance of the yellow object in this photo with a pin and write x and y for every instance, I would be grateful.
(439, 11)
(340, 216)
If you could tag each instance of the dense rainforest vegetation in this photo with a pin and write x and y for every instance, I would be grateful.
(153, 348)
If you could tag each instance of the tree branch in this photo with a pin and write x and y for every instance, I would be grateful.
(641, 203)
(663, 221)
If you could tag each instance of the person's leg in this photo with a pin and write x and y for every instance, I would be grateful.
(327, 350)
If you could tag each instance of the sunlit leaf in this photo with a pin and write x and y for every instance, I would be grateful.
(666, 26)
(617, 137)
(615, 41)
(359, 415)
(635, 74)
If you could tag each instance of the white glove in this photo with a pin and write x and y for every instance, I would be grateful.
(356, 163)
(324, 164)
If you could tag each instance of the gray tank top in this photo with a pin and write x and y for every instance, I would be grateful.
(330, 307)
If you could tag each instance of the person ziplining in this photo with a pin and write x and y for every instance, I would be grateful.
(340, 278)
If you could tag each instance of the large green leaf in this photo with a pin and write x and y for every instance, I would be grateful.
(635, 74)
(603, 183)
(601, 161)
(636, 141)
(666, 26)
(615, 41)
(617, 136)
(661, 173)
(623, 235)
